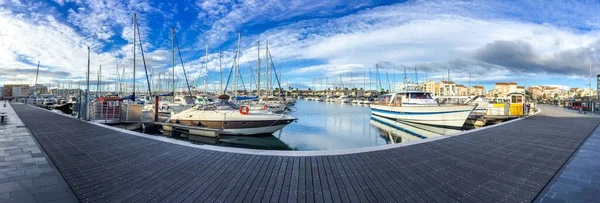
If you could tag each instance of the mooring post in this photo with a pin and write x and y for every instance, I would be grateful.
(155, 108)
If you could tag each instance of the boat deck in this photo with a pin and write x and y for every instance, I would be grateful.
(510, 162)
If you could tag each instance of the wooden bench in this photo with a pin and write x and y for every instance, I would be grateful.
(2, 116)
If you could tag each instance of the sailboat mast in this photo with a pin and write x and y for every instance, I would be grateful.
(98, 81)
(268, 82)
(237, 66)
(206, 69)
(416, 78)
(221, 71)
(134, 24)
(173, 57)
(258, 68)
(36, 74)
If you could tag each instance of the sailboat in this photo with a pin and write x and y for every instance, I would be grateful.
(232, 119)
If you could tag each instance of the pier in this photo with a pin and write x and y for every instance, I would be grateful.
(518, 161)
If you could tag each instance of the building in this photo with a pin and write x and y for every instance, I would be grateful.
(64, 92)
(550, 92)
(462, 90)
(39, 89)
(504, 88)
(477, 90)
(15, 91)
(448, 88)
(431, 87)
(587, 92)
(521, 89)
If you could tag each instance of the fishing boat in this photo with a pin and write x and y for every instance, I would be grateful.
(420, 108)
(232, 119)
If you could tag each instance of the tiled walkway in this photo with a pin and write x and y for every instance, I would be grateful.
(26, 174)
(508, 163)
(579, 179)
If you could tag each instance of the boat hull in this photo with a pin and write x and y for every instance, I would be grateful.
(441, 116)
(240, 127)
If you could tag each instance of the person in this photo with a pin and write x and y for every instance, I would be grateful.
(526, 112)
(580, 109)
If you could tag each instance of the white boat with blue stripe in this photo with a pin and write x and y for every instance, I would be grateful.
(420, 108)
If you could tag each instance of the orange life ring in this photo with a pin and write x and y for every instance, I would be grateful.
(244, 110)
(265, 107)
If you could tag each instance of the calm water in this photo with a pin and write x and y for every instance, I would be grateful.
(324, 126)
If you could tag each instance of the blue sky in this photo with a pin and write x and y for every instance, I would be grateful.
(530, 42)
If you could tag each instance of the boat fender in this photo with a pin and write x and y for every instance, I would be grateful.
(244, 110)
(265, 107)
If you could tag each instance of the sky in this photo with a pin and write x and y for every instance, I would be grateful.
(543, 42)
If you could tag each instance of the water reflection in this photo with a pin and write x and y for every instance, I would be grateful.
(401, 132)
(325, 126)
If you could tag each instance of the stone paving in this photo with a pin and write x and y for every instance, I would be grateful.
(26, 173)
(579, 179)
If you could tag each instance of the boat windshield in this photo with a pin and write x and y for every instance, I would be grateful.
(420, 95)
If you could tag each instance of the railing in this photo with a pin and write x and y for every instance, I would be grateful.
(105, 110)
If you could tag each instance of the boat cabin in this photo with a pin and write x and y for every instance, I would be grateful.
(407, 98)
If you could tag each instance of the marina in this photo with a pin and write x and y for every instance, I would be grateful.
(490, 163)
(302, 101)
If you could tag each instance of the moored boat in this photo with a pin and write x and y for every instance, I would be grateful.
(420, 108)
(232, 119)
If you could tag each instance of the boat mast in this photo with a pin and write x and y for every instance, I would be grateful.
(237, 66)
(221, 71)
(405, 80)
(258, 68)
(36, 74)
(205, 69)
(173, 57)
(134, 26)
(268, 82)
(416, 79)
(87, 89)
(98, 81)
(388, 80)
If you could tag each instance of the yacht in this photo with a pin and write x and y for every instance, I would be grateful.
(232, 119)
(420, 108)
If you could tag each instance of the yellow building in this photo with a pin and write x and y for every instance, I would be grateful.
(477, 90)
(504, 88)
(462, 90)
(431, 87)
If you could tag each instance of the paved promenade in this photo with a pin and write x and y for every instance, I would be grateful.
(579, 179)
(509, 163)
(26, 174)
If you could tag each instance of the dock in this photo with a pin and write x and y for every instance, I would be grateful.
(518, 161)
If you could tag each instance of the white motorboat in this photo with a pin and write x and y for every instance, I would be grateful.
(344, 99)
(232, 119)
(319, 99)
(482, 105)
(274, 104)
(420, 108)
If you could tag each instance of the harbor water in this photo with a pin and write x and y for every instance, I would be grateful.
(325, 126)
